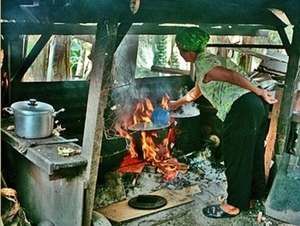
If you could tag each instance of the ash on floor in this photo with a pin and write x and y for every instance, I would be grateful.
(212, 183)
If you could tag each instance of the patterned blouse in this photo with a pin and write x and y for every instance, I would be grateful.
(220, 94)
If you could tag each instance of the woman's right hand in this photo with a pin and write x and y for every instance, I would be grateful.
(173, 105)
(192, 95)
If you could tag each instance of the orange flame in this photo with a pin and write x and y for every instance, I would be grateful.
(164, 101)
(123, 133)
(157, 154)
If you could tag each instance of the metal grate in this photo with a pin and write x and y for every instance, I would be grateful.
(122, 91)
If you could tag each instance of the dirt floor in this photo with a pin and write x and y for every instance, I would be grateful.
(212, 190)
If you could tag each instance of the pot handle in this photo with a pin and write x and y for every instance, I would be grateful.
(127, 130)
(172, 124)
(9, 110)
(56, 112)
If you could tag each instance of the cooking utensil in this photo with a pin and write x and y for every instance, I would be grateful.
(185, 111)
(184, 114)
(27, 144)
(160, 117)
(33, 119)
(113, 152)
(147, 126)
(137, 130)
(147, 202)
(187, 133)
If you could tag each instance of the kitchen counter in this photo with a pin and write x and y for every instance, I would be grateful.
(44, 156)
(49, 186)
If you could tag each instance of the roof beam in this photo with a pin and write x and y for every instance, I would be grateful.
(148, 28)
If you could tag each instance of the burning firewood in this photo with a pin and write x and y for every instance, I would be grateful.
(171, 167)
(152, 142)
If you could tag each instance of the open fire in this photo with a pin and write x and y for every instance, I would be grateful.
(150, 143)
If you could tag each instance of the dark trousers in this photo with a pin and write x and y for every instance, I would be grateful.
(245, 129)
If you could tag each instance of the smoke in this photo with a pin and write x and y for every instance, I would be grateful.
(186, 111)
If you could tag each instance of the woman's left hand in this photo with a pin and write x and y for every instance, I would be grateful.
(268, 97)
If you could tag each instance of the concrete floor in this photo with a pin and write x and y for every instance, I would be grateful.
(212, 183)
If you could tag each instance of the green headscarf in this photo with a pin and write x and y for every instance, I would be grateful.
(192, 39)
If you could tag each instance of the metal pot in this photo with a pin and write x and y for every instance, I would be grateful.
(33, 119)
(188, 138)
(136, 130)
(113, 152)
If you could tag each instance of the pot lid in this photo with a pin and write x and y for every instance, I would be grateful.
(32, 107)
(147, 202)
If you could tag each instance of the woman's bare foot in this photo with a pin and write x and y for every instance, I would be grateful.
(220, 211)
(230, 209)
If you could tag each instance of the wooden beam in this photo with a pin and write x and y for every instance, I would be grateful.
(55, 29)
(122, 31)
(212, 29)
(246, 46)
(31, 57)
(30, 28)
(284, 39)
(271, 137)
(97, 101)
(290, 85)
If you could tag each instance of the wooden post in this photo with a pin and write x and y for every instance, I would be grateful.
(97, 101)
(290, 85)
(271, 137)
(281, 115)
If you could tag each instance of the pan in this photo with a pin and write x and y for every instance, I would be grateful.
(147, 126)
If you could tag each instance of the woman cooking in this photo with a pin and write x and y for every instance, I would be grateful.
(243, 107)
